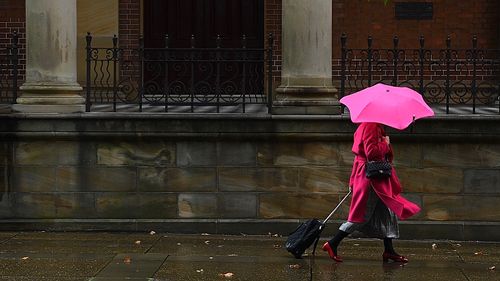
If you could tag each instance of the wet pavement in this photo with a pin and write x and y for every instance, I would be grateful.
(27, 256)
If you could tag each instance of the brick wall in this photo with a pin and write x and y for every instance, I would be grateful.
(130, 23)
(12, 18)
(272, 24)
(460, 19)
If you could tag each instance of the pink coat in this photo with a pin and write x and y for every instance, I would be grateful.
(369, 144)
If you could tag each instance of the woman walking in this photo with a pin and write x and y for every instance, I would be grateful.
(376, 203)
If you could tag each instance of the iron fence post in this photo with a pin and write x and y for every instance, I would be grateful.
(217, 74)
(115, 58)
(447, 82)
(474, 73)
(343, 42)
(15, 64)
(370, 56)
(88, 48)
(192, 72)
(270, 39)
(395, 62)
(243, 76)
(166, 83)
(141, 73)
(421, 63)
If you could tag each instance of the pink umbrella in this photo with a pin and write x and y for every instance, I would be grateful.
(396, 107)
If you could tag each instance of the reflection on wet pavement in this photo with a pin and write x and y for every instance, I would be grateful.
(135, 256)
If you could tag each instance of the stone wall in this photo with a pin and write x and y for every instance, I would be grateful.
(235, 174)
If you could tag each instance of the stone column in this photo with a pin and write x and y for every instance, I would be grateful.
(51, 62)
(306, 75)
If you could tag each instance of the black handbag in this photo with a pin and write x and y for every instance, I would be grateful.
(378, 169)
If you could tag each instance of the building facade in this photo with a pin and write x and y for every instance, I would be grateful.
(260, 172)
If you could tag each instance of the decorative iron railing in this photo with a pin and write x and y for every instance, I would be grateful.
(9, 71)
(179, 79)
(449, 79)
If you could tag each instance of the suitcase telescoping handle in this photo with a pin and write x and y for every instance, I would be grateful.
(338, 206)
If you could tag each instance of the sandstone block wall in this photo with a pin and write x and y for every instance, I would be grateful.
(236, 175)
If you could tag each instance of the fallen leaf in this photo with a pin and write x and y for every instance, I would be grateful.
(25, 258)
(227, 274)
(295, 266)
(138, 242)
(127, 260)
(434, 246)
(152, 233)
(492, 268)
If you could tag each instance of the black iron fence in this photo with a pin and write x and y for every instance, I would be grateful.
(451, 80)
(9, 70)
(186, 79)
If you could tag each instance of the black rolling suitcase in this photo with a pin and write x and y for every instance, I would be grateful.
(307, 233)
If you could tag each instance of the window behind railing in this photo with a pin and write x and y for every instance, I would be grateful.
(451, 80)
(178, 79)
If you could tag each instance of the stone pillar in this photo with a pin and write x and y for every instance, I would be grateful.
(306, 75)
(51, 62)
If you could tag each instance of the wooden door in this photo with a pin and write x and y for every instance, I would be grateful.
(205, 19)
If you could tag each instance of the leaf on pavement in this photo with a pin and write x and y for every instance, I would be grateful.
(227, 274)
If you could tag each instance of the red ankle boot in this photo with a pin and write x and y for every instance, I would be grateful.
(394, 257)
(326, 247)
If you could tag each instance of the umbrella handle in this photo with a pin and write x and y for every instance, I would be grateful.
(412, 124)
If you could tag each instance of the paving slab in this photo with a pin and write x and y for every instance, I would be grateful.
(474, 252)
(6, 235)
(219, 245)
(51, 267)
(132, 265)
(60, 243)
(39, 278)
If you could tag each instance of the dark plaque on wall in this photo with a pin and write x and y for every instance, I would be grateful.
(413, 10)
